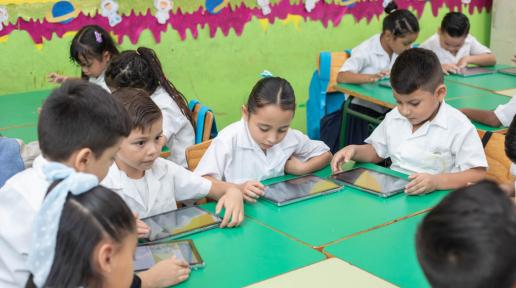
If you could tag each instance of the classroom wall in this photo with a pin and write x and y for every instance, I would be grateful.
(219, 69)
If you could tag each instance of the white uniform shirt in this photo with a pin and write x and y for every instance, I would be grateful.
(20, 200)
(101, 81)
(505, 112)
(369, 58)
(471, 47)
(177, 129)
(447, 143)
(235, 157)
(166, 183)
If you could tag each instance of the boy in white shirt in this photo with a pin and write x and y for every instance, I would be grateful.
(424, 137)
(151, 185)
(81, 126)
(510, 151)
(455, 47)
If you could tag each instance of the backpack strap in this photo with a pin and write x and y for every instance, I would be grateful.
(486, 138)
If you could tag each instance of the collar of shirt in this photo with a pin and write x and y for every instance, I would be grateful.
(439, 120)
(377, 48)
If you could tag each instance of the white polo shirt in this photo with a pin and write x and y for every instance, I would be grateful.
(505, 112)
(177, 129)
(448, 143)
(159, 189)
(235, 157)
(369, 58)
(101, 81)
(20, 200)
(471, 47)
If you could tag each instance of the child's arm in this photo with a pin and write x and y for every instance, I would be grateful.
(298, 167)
(361, 153)
(229, 197)
(357, 78)
(488, 59)
(424, 183)
(165, 273)
(59, 79)
(483, 116)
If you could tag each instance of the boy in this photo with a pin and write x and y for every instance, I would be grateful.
(81, 126)
(151, 185)
(467, 240)
(455, 47)
(424, 137)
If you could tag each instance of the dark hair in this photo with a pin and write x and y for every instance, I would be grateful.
(467, 240)
(80, 115)
(86, 220)
(142, 69)
(86, 44)
(510, 141)
(416, 68)
(272, 91)
(455, 24)
(399, 21)
(142, 110)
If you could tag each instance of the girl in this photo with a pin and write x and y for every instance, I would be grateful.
(142, 69)
(262, 145)
(102, 259)
(372, 60)
(92, 49)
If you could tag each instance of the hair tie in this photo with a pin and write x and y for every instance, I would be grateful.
(98, 37)
(46, 222)
(266, 74)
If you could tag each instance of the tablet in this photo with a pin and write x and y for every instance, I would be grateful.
(377, 183)
(473, 71)
(510, 71)
(147, 255)
(385, 83)
(298, 189)
(180, 222)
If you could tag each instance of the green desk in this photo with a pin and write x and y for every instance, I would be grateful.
(240, 256)
(324, 219)
(388, 252)
(20, 109)
(490, 82)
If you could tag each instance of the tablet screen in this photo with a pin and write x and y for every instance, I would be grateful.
(385, 83)
(299, 187)
(179, 222)
(372, 181)
(511, 71)
(469, 71)
(147, 256)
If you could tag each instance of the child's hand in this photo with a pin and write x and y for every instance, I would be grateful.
(142, 229)
(421, 183)
(56, 78)
(450, 68)
(463, 62)
(342, 156)
(379, 76)
(514, 58)
(294, 166)
(233, 202)
(252, 190)
(165, 273)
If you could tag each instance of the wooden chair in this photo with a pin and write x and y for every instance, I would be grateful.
(194, 154)
(207, 124)
(499, 163)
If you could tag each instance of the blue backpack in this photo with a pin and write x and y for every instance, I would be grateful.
(10, 159)
(201, 116)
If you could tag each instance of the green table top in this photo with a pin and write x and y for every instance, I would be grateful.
(388, 252)
(492, 82)
(321, 220)
(240, 256)
(20, 109)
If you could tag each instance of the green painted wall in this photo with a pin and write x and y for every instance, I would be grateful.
(219, 71)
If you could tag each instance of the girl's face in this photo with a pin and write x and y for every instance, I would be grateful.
(116, 261)
(401, 43)
(93, 67)
(268, 125)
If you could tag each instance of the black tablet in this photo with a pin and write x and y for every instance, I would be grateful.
(510, 71)
(377, 183)
(473, 71)
(180, 222)
(147, 255)
(298, 189)
(385, 83)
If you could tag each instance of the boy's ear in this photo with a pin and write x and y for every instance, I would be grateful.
(440, 92)
(81, 159)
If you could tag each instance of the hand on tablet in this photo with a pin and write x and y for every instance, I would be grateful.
(142, 229)
(342, 156)
(252, 190)
(463, 62)
(421, 183)
(166, 273)
(450, 68)
(233, 202)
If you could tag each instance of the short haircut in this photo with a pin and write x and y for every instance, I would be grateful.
(80, 115)
(468, 239)
(140, 107)
(510, 141)
(455, 24)
(414, 69)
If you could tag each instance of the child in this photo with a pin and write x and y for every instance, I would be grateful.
(467, 240)
(423, 136)
(455, 47)
(151, 185)
(92, 48)
(510, 151)
(80, 126)
(142, 69)
(261, 145)
(372, 60)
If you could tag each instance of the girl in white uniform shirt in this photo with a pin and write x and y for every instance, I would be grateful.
(261, 145)
(142, 69)
(372, 60)
(92, 48)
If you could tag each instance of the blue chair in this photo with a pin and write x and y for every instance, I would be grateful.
(11, 161)
(205, 126)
